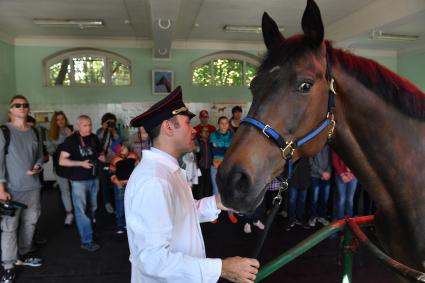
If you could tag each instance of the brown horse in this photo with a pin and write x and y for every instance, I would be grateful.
(379, 130)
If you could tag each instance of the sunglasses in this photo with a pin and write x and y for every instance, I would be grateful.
(20, 105)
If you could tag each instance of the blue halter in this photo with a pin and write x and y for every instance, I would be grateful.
(288, 147)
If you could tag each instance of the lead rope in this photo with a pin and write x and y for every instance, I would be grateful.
(277, 200)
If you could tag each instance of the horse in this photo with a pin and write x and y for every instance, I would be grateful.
(163, 81)
(370, 116)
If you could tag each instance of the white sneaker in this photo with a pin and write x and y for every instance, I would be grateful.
(312, 222)
(259, 225)
(323, 221)
(247, 228)
(68, 219)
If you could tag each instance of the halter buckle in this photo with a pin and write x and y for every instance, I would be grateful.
(331, 118)
(289, 146)
(266, 127)
(283, 187)
(332, 86)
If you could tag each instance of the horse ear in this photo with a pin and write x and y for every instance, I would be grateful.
(271, 34)
(312, 24)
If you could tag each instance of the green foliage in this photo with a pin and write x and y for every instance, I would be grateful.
(120, 73)
(250, 72)
(202, 75)
(88, 70)
(223, 72)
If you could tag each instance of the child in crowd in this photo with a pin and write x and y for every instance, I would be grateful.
(297, 192)
(204, 164)
(141, 142)
(321, 171)
(346, 184)
(220, 141)
(121, 167)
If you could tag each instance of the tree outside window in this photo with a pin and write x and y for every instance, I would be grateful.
(87, 67)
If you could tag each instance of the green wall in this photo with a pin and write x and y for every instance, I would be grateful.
(26, 63)
(7, 72)
(412, 67)
(29, 79)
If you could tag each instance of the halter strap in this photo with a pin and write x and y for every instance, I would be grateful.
(288, 147)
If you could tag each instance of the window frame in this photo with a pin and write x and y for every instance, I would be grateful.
(225, 55)
(107, 56)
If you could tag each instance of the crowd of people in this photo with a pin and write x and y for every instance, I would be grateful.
(86, 163)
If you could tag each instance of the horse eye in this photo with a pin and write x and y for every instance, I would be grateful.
(304, 87)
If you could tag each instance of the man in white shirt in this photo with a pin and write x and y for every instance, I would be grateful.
(164, 233)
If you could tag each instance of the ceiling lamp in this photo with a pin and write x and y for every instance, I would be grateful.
(248, 29)
(380, 35)
(57, 23)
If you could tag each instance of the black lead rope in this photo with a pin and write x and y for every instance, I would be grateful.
(276, 204)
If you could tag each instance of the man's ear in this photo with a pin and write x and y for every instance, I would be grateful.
(167, 128)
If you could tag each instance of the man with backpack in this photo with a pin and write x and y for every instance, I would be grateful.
(21, 160)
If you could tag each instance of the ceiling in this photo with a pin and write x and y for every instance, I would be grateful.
(348, 22)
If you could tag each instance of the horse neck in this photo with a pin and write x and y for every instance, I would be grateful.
(382, 146)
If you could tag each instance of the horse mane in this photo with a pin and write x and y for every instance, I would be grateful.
(392, 88)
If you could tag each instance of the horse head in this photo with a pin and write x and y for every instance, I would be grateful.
(290, 95)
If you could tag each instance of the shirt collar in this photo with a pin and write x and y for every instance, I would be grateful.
(164, 154)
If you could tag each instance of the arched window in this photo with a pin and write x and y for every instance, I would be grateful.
(226, 68)
(86, 67)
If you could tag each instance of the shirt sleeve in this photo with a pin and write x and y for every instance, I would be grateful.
(150, 225)
(40, 155)
(207, 209)
(2, 159)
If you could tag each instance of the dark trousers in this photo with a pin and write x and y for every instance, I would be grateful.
(204, 188)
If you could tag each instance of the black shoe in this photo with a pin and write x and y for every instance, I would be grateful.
(8, 276)
(91, 247)
(39, 240)
(289, 225)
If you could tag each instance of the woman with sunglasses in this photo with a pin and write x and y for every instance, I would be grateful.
(59, 130)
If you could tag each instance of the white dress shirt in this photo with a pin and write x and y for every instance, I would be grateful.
(164, 233)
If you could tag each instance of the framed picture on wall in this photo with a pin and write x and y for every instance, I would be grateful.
(162, 82)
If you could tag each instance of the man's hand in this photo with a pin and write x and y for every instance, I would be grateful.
(102, 157)
(35, 170)
(5, 196)
(219, 203)
(86, 164)
(238, 269)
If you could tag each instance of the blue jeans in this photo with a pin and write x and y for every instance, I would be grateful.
(119, 207)
(296, 204)
(214, 182)
(345, 197)
(319, 196)
(84, 193)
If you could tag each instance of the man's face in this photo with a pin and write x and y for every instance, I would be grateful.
(84, 127)
(237, 115)
(19, 108)
(184, 134)
(205, 133)
(204, 120)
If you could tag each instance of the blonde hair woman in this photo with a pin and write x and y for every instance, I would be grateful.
(59, 130)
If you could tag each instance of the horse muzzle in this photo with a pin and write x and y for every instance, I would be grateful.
(236, 189)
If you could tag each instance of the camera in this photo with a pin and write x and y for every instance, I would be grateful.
(111, 124)
(8, 208)
(95, 163)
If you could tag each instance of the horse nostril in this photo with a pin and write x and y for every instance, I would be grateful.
(233, 187)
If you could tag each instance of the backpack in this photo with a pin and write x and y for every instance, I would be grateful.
(61, 171)
(6, 134)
